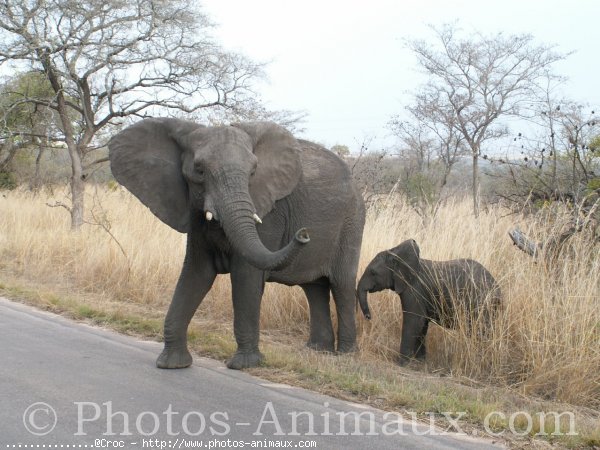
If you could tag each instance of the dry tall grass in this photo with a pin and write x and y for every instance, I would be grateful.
(546, 341)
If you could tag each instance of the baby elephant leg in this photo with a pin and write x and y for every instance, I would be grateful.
(414, 328)
(421, 349)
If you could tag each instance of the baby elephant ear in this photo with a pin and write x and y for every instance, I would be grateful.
(279, 168)
(404, 260)
(146, 159)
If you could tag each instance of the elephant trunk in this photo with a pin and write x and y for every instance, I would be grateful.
(236, 212)
(361, 294)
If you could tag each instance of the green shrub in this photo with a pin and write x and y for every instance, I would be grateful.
(593, 184)
(7, 181)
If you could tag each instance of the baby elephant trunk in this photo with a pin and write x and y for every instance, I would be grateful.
(361, 295)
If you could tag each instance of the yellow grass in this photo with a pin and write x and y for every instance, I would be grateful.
(546, 341)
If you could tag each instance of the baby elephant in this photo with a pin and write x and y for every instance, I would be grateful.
(429, 290)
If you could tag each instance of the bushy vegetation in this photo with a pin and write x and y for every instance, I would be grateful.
(7, 181)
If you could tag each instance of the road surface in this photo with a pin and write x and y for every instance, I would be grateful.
(65, 384)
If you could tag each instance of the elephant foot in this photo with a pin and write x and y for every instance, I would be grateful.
(174, 358)
(245, 359)
(406, 360)
(347, 347)
(403, 360)
(321, 346)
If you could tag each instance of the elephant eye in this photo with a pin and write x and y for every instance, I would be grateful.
(198, 175)
(199, 169)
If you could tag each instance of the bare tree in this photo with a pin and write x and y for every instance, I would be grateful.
(430, 134)
(374, 173)
(478, 80)
(430, 146)
(416, 142)
(107, 60)
(417, 179)
(449, 141)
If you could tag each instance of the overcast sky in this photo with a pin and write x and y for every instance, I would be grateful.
(345, 63)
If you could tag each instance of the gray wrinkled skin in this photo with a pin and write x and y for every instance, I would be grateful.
(429, 290)
(310, 235)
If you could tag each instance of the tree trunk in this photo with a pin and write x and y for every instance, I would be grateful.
(553, 155)
(77, 180)
(523, 242)
(36, 182)
(77, 188)
(476, 199)
(550, 250)
(10, 150)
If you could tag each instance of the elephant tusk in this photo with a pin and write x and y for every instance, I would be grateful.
(256, 218)
(209, 216)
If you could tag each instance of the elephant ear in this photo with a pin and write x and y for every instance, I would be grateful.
(279, 168)
(146, 159)
(404, 261)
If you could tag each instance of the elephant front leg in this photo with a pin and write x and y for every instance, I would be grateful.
(247, 286)
(321, 329)
(194, 283)
(413, 339)
(421, 348)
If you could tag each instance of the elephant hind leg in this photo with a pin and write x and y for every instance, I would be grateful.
(343, 281)
(321, 329)
(344, 295)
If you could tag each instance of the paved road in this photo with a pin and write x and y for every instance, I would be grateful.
(72, 385)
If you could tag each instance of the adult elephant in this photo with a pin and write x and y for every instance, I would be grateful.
(429, 290)
(247, 195)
